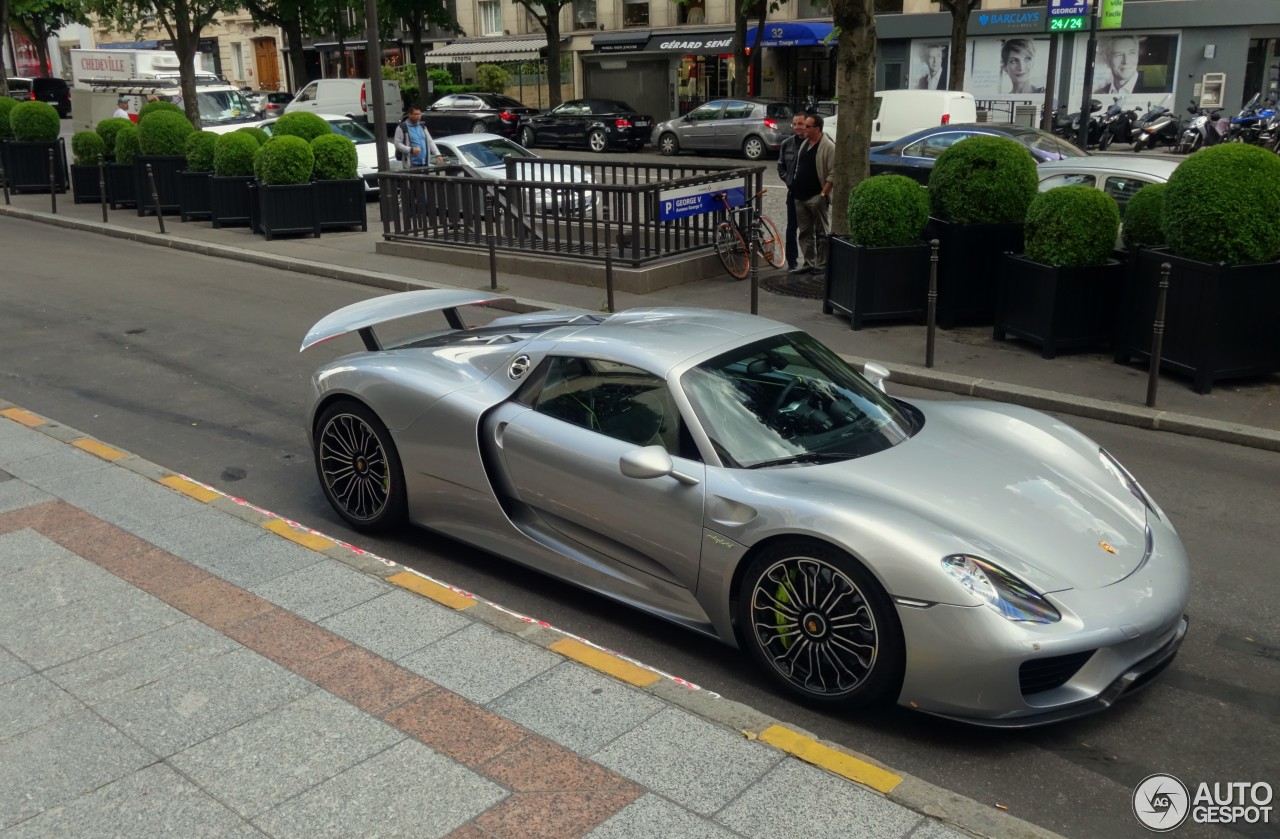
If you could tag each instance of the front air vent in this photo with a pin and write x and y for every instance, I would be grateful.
(1041, 674)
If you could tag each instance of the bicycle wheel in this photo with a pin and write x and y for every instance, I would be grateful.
(772, 246)
(732, 250)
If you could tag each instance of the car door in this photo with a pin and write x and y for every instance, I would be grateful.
(560, 459)
(568, 122)
(461, 113)
(437, 116)
(306, 99)
(698, 129)
(917, 159)
(736, 121)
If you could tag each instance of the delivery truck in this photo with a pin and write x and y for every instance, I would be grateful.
(119, 65)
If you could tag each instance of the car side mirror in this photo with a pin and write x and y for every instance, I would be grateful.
(876, 374)
(651, 462)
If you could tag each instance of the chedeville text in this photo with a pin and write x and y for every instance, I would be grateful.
(1231, 802)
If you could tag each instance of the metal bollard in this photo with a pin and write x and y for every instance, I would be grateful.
(155, 197)
(4, 180)
(53, 183)
(1157, 336)
(493, 245)
(932, 322)
(102, 186)
(608, 261)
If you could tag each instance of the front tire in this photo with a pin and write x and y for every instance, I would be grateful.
(732, 250)
(668, 145)
(1105, 141)
(753, 148)
(479, 127)
(821, 625)
(359, 468)
(597, 141)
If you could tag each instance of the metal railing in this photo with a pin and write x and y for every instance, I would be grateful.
(573, 209)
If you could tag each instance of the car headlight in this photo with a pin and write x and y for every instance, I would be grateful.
(999, 590)
(1130, 483)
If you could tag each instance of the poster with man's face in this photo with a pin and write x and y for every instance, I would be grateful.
(930, 64)
(1136, 69)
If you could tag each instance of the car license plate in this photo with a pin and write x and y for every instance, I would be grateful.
(642, 123)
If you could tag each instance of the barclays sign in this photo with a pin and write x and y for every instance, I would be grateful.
(1000, 22)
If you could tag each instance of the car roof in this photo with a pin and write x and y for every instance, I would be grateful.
(1152, 165)
(468, 138)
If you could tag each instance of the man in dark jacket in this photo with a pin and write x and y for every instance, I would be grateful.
(786, 167)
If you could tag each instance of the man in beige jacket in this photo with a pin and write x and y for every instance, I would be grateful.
(815, 170)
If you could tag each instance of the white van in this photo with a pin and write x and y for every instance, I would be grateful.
(897, 113)
(349, 98)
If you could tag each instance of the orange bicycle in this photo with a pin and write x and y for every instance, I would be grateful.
(746, 224)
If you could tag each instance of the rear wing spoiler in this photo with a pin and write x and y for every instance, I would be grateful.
(363, 316)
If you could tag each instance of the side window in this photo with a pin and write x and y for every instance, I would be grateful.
(307, 94)
(1122, 189)
(1070, 179)
(466, 103)
(709, 111)
(445, 102)
(737, 110)
(934, 146)
(616, 400)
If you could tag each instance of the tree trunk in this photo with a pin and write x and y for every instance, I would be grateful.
(185, 42)
(4, 39)
(855, 87)
(552, 26)
(740, 63)
(959, 41)
(420, 64)
(297, 59)
(40, 37)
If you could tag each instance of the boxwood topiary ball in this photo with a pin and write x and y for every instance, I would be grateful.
(285, 160)
(107, 131)
(156, 106)
(199, 151)
(127, 144)
(256, 133)
(164, 132)
(86, 147)
(1142, 217)
(6, 109)
(233, 154)
(887, 211)
(35, 122)
(302, 124)
(1222, 204)
(335, 157)
(983, 180)
(1072, 226)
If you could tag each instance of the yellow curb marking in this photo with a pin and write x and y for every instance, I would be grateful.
(25, 417)
(190, 488)
(303, 538)
(605, 663)
(95, 448)
(811, 751)
(436, 592)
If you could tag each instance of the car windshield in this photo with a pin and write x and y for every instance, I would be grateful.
(1048, 147)
(491, 152)
(222, 107)
(788, 399)
(354, 130)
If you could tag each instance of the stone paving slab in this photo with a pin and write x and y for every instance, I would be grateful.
(480, 663)
(395, 625)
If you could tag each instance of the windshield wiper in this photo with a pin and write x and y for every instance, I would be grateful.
(806, 457)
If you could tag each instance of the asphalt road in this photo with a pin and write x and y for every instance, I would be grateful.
(193, 363)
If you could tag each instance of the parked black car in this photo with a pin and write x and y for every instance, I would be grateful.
(475, 113)
(54, 91)
(915, 154)
(598, 124)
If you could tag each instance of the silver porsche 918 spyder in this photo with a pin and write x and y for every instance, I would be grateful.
(973, 560)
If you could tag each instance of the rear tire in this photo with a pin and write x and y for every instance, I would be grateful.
(732, 250)
(772, 246)
(479, 127)
(753, 148)
(1105, 141)
(527, 137)
(597, 141)
(359, 468)
(668, 145)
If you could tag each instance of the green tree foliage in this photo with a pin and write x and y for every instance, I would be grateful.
(35, 122)
(233, 154)
(6, 110)
(1072, 226)
(1222, 204)
(158, 105)
(335, 157)
(492, 78)
(1142, 218)
(257, 134)
(107, 130)
(199, 151)
(86, 147)
(887, 211)
(983, 180)
(126, 144)
(303, 124)
(164, 132)
(39, 20)
(284, 160)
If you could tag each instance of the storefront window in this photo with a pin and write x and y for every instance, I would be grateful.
(635, 12)
(584, 14)
(702, 79)
(813, 8)
(490, 17)
(693, 12)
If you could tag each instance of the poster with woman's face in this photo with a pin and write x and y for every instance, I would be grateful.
(1013, 67)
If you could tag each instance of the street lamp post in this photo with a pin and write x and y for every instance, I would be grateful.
(1090, 54)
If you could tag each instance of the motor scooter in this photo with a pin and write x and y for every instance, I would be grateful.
(1158, 127)
(1116, 125)
(1094, 129)
(1207, 128)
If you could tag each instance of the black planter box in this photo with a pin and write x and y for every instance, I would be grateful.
(85, 188)
(876, 283)
(289, 208)
(970, 258)
(194, 198)
(26, 165)
(121, 187)
(1058, 308)
(341, 204)
(165, 168)
(4, 162)
(230, 202)
(1219, 319)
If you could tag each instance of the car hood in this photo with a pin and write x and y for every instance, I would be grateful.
(558, 174)
(367, 155)
(1009, 485)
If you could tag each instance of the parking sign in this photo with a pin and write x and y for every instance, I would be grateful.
(1068, 8)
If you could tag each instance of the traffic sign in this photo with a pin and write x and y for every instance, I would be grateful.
(699, 199)
(1067, 8)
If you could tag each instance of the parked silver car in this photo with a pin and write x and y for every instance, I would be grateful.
(1119, 175)
(487, 156)
(753, 127)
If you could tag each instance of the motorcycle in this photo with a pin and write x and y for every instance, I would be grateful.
(1116, 124)
(1159, 127)
(1269, 136)
(1248, 125)
(1207, 128)
(1094, 129)
(1061, 126)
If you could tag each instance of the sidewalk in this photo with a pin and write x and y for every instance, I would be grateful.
(968, 361)
(176, 662)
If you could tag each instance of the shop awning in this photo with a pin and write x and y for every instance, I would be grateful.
(631, 41)
(487, 49)
(791, 34)
(132, 45)
(692, 43)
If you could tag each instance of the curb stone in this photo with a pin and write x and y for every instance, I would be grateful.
(912, 793)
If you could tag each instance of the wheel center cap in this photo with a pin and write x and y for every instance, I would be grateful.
(361, 466)
(814, 625)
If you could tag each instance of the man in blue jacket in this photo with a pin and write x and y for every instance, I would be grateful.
(414, 146)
